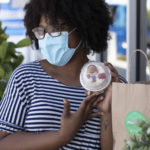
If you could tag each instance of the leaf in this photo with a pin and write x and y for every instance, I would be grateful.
(23, 43)
(5, 30)
(18, 61)
(9, 57)
(8, 70)
(7, 76)
(11, 47)
(2, 72)
(11, 50)
(7, 67)
(2, 87)
(142, 142)
(2, 84)
(4, 36)
(1, 94)
(3, 50)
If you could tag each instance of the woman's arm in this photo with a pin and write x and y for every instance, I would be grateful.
(105, 107)
(52, 140)
(106, 137)
(106, 132)
(29, 141)
(103, 104)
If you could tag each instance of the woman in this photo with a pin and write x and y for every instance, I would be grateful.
(44, 106)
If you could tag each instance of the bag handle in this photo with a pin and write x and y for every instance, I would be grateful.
(131, 59)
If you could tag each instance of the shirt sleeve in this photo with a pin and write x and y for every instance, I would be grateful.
(122, 79)
(12, 107)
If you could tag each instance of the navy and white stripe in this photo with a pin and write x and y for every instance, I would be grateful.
(33, 102)
(122, 79)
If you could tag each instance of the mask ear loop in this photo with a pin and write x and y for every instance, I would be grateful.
(72, 31)
(79, 42)
(78, 45)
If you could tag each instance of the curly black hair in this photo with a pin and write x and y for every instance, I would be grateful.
(90, 17)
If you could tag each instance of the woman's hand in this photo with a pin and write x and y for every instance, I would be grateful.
(114, 72)
(103, 103)
(72, 122)
(104, 106)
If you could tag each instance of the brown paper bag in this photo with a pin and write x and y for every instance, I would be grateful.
(127, 98)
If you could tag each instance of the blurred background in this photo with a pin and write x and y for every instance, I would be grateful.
(130, 30)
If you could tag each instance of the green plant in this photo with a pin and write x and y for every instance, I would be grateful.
(9, 57)
(141, 142)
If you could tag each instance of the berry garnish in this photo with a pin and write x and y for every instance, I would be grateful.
(102, 76)
(93, 78)
(88, 76)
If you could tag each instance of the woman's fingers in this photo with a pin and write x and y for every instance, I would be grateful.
(114, 72)
(66, 107)
(115, 77)
(96, 114)
(99, 99)
(111, 67)
(91, 92)
(88, 93)
(86, 106)
(91, 98)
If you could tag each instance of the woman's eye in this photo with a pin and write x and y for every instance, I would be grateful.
(40, 32)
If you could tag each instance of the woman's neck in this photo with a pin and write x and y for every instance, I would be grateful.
(73, 67)
(68, 74)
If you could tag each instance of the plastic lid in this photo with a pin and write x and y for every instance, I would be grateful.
(95, 76)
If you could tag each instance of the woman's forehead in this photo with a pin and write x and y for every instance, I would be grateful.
(44, 21)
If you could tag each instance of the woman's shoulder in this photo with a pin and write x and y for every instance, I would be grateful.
(28, 67)
(26, 70)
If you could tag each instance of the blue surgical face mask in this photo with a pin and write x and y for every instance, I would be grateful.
(56, 50)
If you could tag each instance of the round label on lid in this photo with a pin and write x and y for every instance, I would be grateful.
(131, 122)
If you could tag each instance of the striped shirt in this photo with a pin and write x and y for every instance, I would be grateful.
(33, 102)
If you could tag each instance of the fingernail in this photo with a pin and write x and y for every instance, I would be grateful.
(97, 93)
(102, 114)
(102, 97)
(88, 93)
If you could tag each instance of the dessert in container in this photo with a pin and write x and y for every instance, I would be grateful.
(95, 76)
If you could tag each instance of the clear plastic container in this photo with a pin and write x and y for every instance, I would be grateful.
(95, 76)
